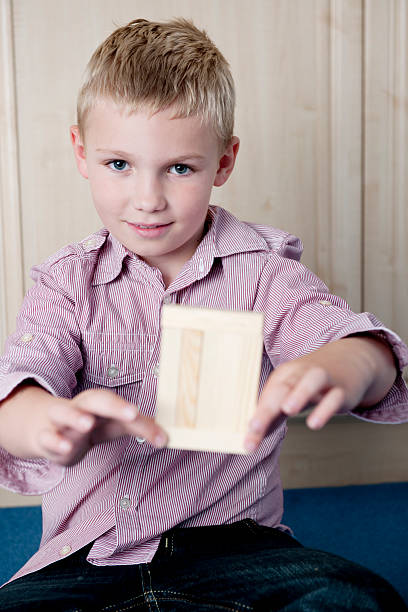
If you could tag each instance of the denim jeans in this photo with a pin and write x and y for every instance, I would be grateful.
(242, 566)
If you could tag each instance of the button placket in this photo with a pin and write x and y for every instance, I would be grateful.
(125, 503)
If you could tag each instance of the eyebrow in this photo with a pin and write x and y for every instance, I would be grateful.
(112, 152)
(174, 159)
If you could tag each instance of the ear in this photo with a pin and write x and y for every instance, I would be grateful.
(227, 162)
(79, 150)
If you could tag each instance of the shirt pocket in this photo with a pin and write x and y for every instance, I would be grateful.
(114, 360)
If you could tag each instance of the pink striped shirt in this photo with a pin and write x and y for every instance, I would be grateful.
(91, 320)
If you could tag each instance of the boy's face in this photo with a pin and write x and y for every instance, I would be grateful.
(151, 179)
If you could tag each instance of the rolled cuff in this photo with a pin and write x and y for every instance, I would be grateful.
(12, 380)
(28, 476)
(393, 408)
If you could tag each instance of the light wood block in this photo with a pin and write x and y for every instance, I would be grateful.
(209, 375)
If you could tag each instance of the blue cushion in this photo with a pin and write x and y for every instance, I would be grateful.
(367, 524)
(20, 534)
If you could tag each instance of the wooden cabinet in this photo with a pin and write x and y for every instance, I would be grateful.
(322, 113)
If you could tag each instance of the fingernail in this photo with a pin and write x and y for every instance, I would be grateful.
(160, 440)
(289, 406)
(255, 426)
(85, 423)
(250, 445)
(64, 446)
(314, 422)
(129, 412)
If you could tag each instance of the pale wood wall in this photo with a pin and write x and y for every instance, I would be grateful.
(385, 196)
(322, 116)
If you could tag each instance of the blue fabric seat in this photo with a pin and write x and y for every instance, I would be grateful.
(367, 524)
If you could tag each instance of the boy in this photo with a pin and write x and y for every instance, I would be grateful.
(128, 523)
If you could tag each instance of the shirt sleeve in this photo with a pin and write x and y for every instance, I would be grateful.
(45, 348)
(300, 316)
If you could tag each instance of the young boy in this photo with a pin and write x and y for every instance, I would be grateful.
(128, 523)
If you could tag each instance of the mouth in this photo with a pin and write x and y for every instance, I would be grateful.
(147, 225)
(151, 230)
(142, 226)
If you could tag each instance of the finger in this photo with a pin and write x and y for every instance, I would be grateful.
(54, 446)
(146, 427)
(311, 384)
(268, 410)
(113, 417)
(65, 448)
(326, 408)
(66, 415)
(140, 427)
(106, 404)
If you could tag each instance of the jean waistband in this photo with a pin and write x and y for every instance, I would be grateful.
(238, 537)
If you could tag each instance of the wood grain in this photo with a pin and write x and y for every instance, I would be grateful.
(209, 376)
(189, 378)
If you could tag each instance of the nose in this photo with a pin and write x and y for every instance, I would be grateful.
(148, 194)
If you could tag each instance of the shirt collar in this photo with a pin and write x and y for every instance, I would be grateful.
(231, 236)
(226, 235)
(110, 259)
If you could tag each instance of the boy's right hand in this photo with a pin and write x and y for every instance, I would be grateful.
(92, 416)
(67, 429)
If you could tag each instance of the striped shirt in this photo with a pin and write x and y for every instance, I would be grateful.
(91, 320)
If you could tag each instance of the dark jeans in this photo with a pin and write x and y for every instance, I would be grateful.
(234, 567)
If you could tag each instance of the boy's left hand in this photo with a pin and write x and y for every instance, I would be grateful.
(357, 370)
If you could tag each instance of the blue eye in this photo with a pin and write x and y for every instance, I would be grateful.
(118, 164)
(180, 169)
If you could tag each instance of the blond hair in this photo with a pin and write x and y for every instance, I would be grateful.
(154, 65)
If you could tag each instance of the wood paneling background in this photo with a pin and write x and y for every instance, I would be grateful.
(386, 162)
(322, 114)
(11, 253)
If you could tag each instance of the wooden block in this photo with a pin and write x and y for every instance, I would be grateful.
(210, 363)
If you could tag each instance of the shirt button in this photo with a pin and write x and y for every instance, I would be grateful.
(156, 370)
(65, 550)
(140, 440)
(167, 299)
(113, 371)
(201, 266)
(89, 244)
(325, 303)
(26, 338)
(125, 503)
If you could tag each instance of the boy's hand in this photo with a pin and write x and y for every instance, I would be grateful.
(354, 371)
(71, 427)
